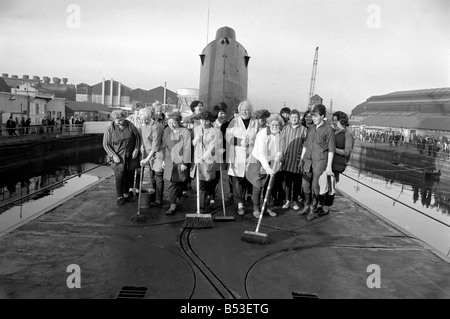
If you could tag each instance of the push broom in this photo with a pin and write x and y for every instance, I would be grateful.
(256, 237)
(198, 220)
(138, 217)
(223, 218)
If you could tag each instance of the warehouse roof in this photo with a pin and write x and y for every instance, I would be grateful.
(437, 123)
(86, 107)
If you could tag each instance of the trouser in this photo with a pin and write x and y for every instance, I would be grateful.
(175, 191)
(240, 186)
(278, 190)
(213, 185)
(205, 190)
(157, 181)
(256, 193)
(293, 182)
(311, 188)
(124, 178)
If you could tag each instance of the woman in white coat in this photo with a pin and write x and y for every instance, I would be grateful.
(240, 137)
(268, 150)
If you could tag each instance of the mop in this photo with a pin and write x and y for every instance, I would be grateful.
(223, 218)
(138, 217)
(198, 220)
(255, 236)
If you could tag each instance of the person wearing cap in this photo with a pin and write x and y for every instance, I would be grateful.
(122, 142)
(317, 156)
(240, 138)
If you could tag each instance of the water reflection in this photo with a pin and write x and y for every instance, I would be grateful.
(422, 177)
(26, 180)
(423, 217)
(47, 183)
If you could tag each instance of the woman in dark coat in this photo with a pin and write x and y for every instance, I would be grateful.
(176, 146)
(122, 142)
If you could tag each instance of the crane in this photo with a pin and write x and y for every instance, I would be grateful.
(313, 77)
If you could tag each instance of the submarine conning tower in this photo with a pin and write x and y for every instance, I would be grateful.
(223, 71)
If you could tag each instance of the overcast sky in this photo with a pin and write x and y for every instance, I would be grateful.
(365, 47)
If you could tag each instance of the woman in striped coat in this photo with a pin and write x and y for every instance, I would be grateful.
(294, 136)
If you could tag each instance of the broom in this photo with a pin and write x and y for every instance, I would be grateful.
(138, 217)
(255, 236)
(223, 218)
(198, 220)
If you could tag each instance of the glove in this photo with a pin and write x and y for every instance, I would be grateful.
(269, 170)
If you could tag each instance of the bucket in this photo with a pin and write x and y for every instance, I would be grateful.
(148, 196)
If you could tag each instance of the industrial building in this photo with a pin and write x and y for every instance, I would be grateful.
(423, 112)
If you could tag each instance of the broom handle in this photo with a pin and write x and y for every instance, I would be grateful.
(221, 188)
(266, 197)
(140, 189)
(198, 188)
(198, 177)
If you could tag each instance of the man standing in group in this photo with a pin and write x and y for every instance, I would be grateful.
(317, 157)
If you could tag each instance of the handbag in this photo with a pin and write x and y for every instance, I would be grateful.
(339, 163)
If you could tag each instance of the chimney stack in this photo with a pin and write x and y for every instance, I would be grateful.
(112, 90)
(36, 78)
(46, 79)
(65, 80)
(5, 75)
(14, 76)
(26, 77)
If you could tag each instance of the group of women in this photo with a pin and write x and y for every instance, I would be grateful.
(251, 148)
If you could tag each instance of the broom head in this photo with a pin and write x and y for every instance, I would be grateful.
(255, 237)
(198, 221)
(224, 218)
(139, 218)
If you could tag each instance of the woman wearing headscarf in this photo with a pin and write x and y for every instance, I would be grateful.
(207, 140)
(176, 146)
(269, 147)
(122, 142)
(240, 138)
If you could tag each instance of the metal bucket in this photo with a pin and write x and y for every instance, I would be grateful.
(148, 196)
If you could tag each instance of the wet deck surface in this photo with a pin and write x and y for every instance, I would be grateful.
(329, 256)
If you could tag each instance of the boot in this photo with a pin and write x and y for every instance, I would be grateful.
(307, 203)
(312, 212)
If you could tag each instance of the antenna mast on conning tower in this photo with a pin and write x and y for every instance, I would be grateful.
(313, 78)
